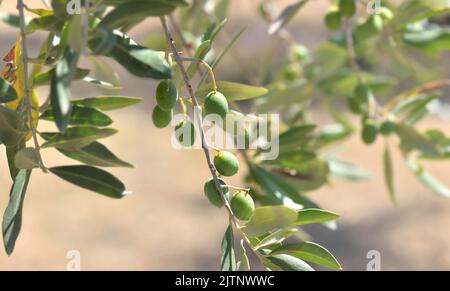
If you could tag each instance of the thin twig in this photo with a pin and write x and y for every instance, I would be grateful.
(28, 105)
(208, 68)
(187, 81)
(351, 49)
(189, 48)
(373, 107)
(425, 87)
(197, 107)
(178, 31)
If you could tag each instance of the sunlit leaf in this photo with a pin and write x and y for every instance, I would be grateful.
(12, 218)
(389, 174)
(310, 252)
(228, 261)
(233, 91)
(286, 16)
(91, 178)
(269, 218)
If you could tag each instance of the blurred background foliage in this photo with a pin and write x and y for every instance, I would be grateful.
(310, 80)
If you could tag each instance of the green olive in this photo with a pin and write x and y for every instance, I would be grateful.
(333, 19)
(242, 205)
(166, 95)
(213, 195)
(185, 133)
(370, 131)
(226, 163)
(216, 103)
(290, 72)
(369, 28)
(354, 105)
(161, 118)
(347, 7)
(386, 13)
(387, 127)
(362, 93)
(299, 52)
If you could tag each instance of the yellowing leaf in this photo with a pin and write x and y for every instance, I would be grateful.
(14, 73)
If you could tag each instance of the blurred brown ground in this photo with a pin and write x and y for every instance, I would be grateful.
(168, 225)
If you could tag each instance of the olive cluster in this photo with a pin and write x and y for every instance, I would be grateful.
(358, 104)
(366, 27)
(362, 101)
(226, 163)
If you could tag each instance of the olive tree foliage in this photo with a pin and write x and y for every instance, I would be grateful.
(373, 55)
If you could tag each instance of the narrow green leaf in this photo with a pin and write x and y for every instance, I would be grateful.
(11, 154)
(132, 12)
(222, 55)
(75, 33)
(233, 91)
(310, 252)
(82, 115)
(12, 218)
(45, 78)
(140, 61)
(228, 261)
(104, 72)
(11, 19)
(27, 159)
(284, 262)
(244, 263)
(7, 92)
(279, 190)
(12, 129)
(311, 215)
(427, 179)
(276, 237)
(286, 16)
(60, 88)
(77, 137)
(389, 174)
(269, 218)
(200, 53)
(91, 178)
(108, 102)
(347, 171)
(213, 30)
(413, 139)
(295, 137)
(47, 23)
(96, 154)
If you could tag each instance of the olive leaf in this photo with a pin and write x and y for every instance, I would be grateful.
(12, 218)
(91, 178)
(228, 261)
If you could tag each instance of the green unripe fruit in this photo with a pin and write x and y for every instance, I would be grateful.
(216, 103)
(166, 95)
(386, 13)
(213, 195)
(387, 127)
(369, 28)
(290, 73)
(377, 22)
(185, 133)
(333, 19)
(242, 205)
(226, 163)
(370, 131)
(362, 93)
(347, 7)
(354, 105)
(299, 52)
(161, 118)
